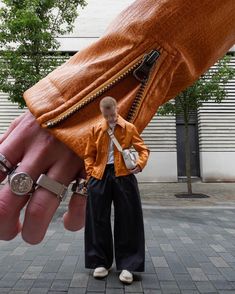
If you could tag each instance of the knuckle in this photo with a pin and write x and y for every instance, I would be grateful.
(49, 139)
(36, 211)
(47, 143)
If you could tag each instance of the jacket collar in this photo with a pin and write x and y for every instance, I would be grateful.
(120, 121)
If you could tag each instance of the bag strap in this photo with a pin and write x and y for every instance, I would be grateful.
(115, 141)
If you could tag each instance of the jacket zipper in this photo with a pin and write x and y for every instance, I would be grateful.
(140, 68)
(142, 74)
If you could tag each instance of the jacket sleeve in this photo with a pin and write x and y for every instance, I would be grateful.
(90, 154)
(141, 148)
(190, 36)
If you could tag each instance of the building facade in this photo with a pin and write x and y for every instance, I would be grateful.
(212, 129)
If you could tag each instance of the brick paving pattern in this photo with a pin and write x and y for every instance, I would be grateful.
(187, 251)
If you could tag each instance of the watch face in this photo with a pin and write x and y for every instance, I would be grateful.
(21, 183)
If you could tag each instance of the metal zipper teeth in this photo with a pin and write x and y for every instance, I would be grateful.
(136, 104)
(86, 101)
(138, 98)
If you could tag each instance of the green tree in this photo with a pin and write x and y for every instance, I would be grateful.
(209, 87)
(28, 45)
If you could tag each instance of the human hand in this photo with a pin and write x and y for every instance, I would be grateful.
(38, 152)
(135, 170)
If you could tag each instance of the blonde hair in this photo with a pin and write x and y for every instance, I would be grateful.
(108, 102)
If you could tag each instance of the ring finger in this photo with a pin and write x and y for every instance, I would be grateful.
(11, 204)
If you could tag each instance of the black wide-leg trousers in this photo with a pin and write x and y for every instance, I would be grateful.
(129, 237)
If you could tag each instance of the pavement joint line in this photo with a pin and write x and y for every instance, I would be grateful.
(185, 207)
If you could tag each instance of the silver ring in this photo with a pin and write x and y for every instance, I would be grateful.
(53, 186)
(5, 165)
(21, 183)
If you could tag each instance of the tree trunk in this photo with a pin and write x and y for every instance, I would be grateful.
(187, 157)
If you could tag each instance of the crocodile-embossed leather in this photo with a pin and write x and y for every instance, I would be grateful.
(191, 36)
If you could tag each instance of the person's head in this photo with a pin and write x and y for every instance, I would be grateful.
(108, 108)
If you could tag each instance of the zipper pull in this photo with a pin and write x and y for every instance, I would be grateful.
(141, 73)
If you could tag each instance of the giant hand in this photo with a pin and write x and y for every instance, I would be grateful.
(37, 151)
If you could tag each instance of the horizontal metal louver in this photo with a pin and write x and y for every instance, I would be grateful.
(160, 133)
(216, 121)
(8, 112)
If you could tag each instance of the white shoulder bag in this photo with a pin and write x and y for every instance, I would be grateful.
(128, 156)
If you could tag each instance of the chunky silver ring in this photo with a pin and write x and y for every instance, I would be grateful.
(5, 165)
(21, 183)
(53, 186)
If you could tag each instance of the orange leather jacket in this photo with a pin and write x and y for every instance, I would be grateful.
(96, 152)
(149, 53)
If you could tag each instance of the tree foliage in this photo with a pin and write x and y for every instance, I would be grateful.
(210, 87)
(28, 45)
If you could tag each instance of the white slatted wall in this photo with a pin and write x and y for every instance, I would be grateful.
(160, 134)
(216, 122)
(8, 111)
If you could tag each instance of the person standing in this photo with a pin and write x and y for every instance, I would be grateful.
(108, 180)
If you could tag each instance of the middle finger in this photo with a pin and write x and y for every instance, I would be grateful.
(44, 203)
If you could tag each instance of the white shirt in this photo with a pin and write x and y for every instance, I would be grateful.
(111, 155)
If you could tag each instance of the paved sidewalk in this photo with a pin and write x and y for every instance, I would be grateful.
(163, 194)
(189, 249)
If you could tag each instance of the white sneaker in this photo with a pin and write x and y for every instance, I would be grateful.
(100, 272)
(126, 277)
